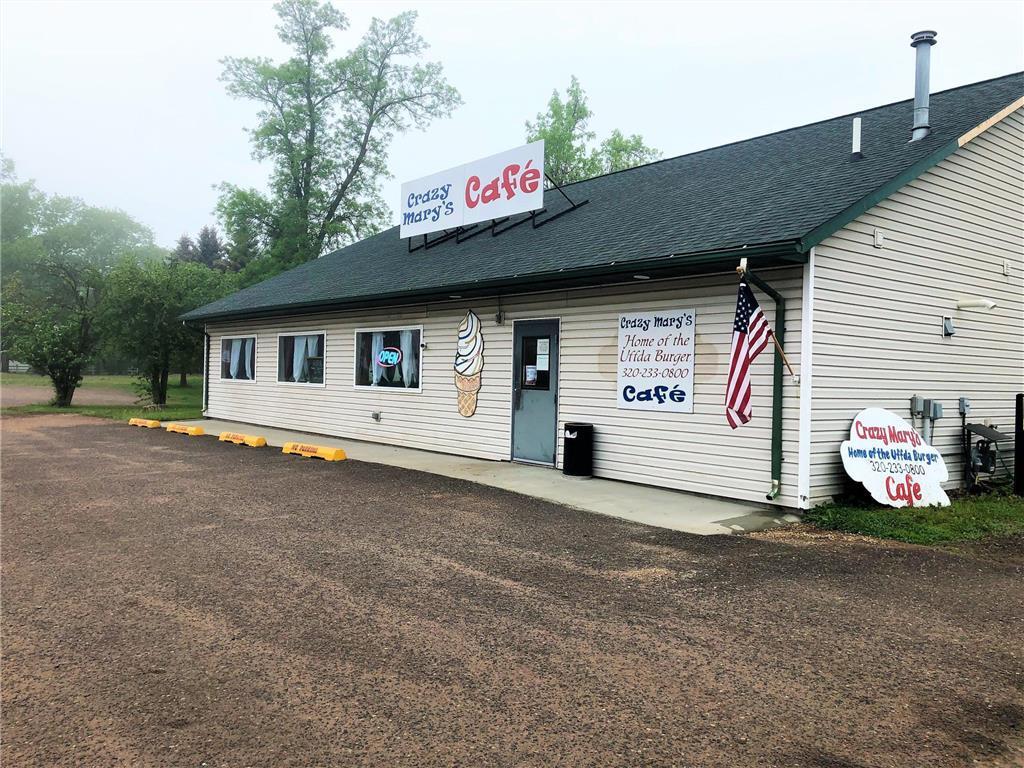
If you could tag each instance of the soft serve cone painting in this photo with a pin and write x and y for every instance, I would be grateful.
(469, 362)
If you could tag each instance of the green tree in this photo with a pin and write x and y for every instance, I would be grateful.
(243, 248)
(56, 254)
(140, 315)
(619, 152)
(569, 154)
(185, 249)
(52, 327)
(325, 124)
(36, 228)
(22, 204)
(207, 249)
(210, 249)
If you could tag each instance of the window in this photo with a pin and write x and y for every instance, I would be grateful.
(300, 358)
(536, 362)
(238, 358)
(388, 358)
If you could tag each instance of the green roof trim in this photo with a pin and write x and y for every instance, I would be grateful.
(769, 255)
(866, 203)
(769, 198)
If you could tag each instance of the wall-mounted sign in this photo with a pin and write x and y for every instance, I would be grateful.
(469, 363)
(492, 188)
(891, 459)
(656, 358)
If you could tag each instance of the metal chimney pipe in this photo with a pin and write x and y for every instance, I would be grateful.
(923, 42)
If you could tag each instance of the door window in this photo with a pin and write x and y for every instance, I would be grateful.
(536, 363)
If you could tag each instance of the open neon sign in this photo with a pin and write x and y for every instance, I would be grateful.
(389, 357)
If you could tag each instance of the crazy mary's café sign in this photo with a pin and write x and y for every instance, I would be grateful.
(493, 187)
(891, 459)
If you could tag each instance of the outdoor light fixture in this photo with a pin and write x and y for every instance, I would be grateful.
(985, 304)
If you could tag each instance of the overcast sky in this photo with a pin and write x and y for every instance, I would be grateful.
(119, 102)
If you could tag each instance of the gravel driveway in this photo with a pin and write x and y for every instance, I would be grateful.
(175, 601)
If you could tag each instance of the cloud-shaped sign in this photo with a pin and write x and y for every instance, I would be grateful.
(891, 459)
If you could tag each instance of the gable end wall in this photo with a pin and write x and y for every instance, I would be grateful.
(878, 311)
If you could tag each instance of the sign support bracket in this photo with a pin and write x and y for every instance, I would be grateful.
(480, 229)
(573, 205)
(427, 244)
(531, 216)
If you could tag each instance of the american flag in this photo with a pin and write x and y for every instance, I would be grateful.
(750, 335)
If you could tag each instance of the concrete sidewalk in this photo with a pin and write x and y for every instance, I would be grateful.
(639, 503)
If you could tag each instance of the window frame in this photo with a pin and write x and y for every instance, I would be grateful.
(277, 377)
(255, 356)
(386, 329)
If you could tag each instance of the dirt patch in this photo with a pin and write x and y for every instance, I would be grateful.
(809, 534)
(172, 601)
(35, 422)
(12, 395)
(1001, 549)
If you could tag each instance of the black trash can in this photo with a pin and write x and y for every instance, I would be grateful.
(578, 458)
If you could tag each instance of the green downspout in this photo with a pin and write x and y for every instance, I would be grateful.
(206, 371)
(780, 334)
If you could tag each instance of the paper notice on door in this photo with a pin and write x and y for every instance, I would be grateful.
(542, 362)
(543, 347)
(531, 375)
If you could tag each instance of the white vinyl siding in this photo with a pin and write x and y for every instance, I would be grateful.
(878, 311)
(428, 420)
(696, 452)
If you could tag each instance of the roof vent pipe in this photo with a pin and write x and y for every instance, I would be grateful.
(855, 153)
(923, 42)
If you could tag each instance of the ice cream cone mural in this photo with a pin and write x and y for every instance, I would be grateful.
(469, 362)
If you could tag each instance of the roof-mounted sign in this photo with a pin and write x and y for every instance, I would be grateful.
(497, 186)
(893, 461)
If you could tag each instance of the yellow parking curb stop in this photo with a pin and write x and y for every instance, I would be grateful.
(315, 451)
(254, 441)
(148, 423)
(184, 429)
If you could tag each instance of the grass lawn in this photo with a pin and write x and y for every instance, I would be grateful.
(968, 518)
(89, 382)
(182, 402)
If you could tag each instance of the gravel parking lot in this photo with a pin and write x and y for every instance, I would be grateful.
(174, 601)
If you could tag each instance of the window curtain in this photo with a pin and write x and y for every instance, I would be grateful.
(249, 344)
(236, 351)
(312, 350)
(375, 349)
(408, 362)
(299, 359)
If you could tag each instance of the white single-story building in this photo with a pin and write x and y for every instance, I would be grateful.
(875, 255)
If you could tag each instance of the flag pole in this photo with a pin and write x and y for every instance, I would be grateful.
(784, 358)
(741, 270)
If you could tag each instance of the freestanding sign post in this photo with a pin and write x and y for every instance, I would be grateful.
(891, 459)
(491, 188)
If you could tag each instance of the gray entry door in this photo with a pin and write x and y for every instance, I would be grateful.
(534, 390)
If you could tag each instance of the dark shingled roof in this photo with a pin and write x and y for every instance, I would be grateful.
(777, 194)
